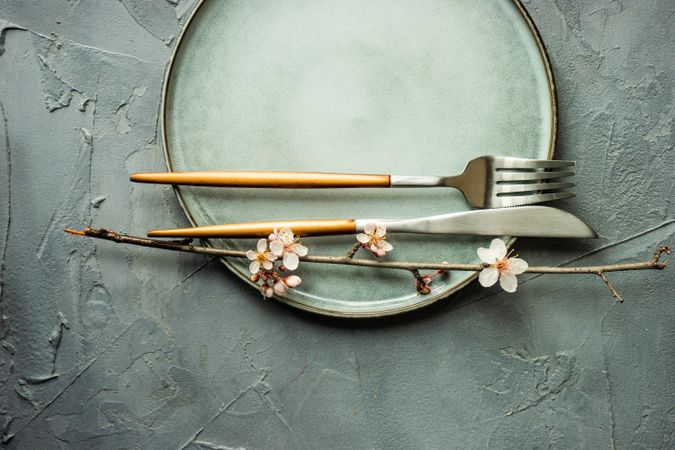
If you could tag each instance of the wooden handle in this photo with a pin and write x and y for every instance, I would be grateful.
(264, 179)
(319, 227)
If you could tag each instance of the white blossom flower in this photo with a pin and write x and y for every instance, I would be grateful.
(501, 267)
(375, 239)
(285, 244)
(261, 258)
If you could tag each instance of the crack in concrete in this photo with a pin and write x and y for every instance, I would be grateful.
(600, 249)
(154, 18)
(357, 366)
(295, 378)
(263, 395)
(91, 48)
(83, 163)
(267, 388)
(93, 204)
(610, 403)
(75, 378)
(6, 218)
(193, 273)
(223, 407)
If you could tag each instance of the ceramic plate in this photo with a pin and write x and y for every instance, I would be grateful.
(395, 86)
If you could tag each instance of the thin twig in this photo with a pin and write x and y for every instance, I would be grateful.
(611, 287)
(352, 251)
(181, 246)
(402, 265)
(184, 246)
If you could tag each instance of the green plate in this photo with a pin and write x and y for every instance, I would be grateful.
(399, 87)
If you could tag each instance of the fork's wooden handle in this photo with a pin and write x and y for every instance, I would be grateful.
(265, 179)
(319, 227)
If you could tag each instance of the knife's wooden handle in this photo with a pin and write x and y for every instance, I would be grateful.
(319, 227)
(265, 179)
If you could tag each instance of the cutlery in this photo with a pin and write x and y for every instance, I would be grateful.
(486, 182)
(536, 221)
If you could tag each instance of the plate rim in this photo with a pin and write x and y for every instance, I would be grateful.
(426, 300)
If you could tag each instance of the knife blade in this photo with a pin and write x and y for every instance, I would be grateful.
(531, 221)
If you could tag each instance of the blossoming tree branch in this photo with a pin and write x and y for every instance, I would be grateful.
(281, 252)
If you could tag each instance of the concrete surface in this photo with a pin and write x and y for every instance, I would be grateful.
(109, 346)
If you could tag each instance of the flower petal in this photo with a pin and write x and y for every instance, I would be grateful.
(291, 261)
(381, 231)
(508, 282)
(517, 266)
(254, 267)
(277, 247)
(369, 228)
(267, 265)
(486, 255)
(251, 255)
(488, 276)
(300, 250)
(271, 256)
(286, 235)
(362, 238)
(498, 247)
(268, 291)
(262, 245)
(386, 246)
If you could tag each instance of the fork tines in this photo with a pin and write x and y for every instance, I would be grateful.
(526, 181)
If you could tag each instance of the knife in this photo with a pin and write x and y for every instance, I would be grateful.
(534, 221)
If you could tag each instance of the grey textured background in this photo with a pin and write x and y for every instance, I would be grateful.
(108, 346)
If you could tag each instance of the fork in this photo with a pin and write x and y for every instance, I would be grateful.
(486, 182)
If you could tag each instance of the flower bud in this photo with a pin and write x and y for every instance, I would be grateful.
(279, 287)
(255, 277)
(292, 281)
(266, 291)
